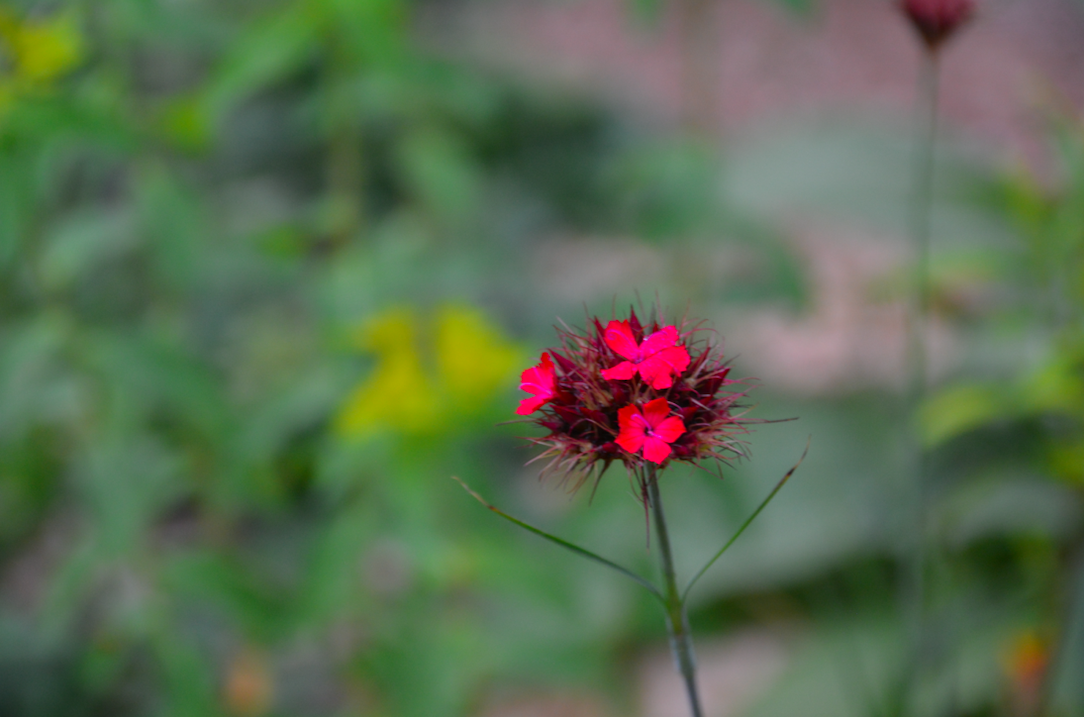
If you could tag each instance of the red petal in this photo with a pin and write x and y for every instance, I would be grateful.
(622, 371)
(633, 429)
(659, 370)
(677, 357)
(655, 450)
(656, 373)
(659, 340)
(540, 378)
(534, 381)
(655, 412)
(619, 338)
(529, 405)
(670, 429)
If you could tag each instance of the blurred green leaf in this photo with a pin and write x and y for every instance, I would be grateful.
(15, 207)
(269, 51)
(83, 242)
(436, 168)
(1001, 507)
(962, 408)
(232, 589)
(371, 31)
(33, 381)
(1056, 387)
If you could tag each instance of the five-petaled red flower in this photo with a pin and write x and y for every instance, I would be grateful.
(653, 430)
(539, 380)
(658, 358)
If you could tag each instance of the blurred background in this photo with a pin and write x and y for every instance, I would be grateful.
(269, 272)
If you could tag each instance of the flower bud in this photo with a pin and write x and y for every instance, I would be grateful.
(937, 20)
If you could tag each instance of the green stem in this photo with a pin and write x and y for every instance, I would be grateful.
(921, 209)
(914, 585)
(681, 642)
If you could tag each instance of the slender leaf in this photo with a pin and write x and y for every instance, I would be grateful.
(744, 525)
(565, 544)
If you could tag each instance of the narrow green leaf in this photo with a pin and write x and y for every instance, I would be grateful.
(567, 545)
(745, 525)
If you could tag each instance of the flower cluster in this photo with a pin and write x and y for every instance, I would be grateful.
(937, 20)
(640, 394)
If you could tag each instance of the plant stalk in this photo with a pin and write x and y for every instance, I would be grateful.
(681, 641)
(914, 585)
(920, 222)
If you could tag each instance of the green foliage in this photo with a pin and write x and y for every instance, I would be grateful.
(204, 206)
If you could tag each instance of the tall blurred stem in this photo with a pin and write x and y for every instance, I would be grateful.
(681, 640)
(344, 165)
(921, 209)
(917, 349)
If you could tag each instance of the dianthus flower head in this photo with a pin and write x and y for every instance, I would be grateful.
(641, 394)
(937, 20)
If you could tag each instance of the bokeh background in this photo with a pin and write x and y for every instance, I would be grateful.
(269, 272)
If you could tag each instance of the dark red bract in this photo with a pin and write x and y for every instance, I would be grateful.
(603, 407)
(937, 20)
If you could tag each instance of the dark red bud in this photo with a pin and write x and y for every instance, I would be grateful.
(594, 416)
(571, 416)
(566, 365)
(634, 324)
(563, 397)
(937, 20)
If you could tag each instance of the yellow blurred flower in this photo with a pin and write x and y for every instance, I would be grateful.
(35, 52)
(412, 390)
(474, 360)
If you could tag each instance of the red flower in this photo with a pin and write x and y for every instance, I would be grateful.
(591, 419)
(653, 430)
(539, 380)
(937, 20)
(656, 358)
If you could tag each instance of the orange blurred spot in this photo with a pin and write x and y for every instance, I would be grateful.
(249, 688)
(1026, 661)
